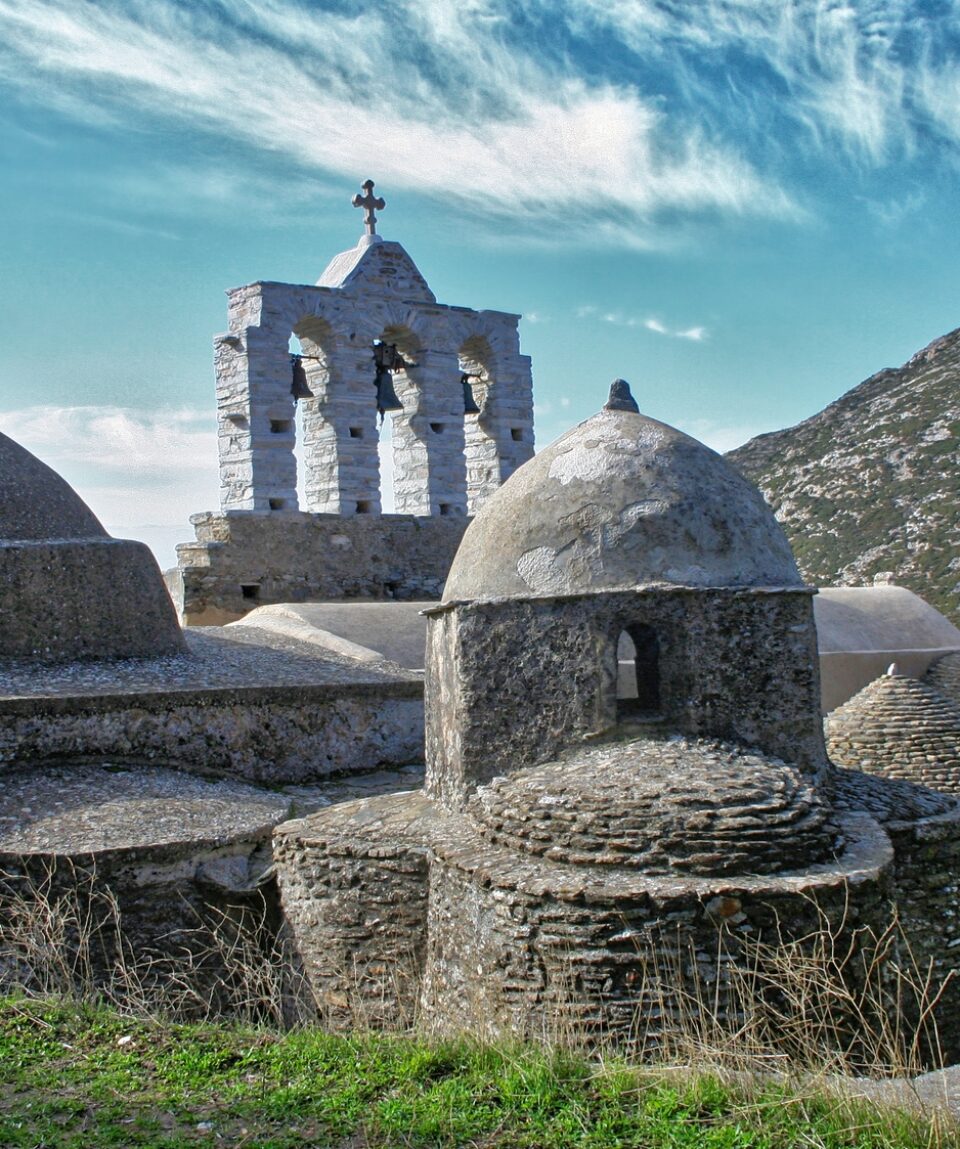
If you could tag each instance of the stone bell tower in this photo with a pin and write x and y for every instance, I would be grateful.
(374, 344)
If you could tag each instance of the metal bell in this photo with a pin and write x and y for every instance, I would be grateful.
(386, 396)
(299, 388)
(469, 403)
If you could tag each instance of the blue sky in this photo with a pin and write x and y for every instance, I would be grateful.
(744, 208)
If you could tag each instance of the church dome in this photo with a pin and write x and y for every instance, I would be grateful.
(680, 805)
(621, 501)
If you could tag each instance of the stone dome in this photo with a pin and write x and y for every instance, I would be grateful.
(68, 590)
(621, 501)
(900, 728)
(692, 805)
(35, 503)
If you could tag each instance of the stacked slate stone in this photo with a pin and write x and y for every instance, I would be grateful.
(900, 728)
(683, 805)
(944, 676)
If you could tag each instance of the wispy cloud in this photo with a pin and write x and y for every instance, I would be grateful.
(505, 110)
(619, 319)
(435, 95)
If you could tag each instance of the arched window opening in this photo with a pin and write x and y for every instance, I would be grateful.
(638, 672)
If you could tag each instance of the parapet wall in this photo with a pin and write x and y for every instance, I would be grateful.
(245, 559)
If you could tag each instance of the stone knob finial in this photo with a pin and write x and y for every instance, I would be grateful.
(620, 398)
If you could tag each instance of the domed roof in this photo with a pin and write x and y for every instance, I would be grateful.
(35, 503)
(621, 500)
(900, 728)
(692, 805)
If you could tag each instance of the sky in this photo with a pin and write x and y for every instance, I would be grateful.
(743, 207)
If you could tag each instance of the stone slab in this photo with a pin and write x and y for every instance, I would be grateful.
(245, 703)
(367, 631)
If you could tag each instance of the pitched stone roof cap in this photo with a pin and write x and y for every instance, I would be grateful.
(944, 676)
(900, 728)
(621, 500)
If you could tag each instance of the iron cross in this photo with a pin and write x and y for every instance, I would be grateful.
(369, 201)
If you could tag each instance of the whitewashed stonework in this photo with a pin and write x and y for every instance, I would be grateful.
(445, 462)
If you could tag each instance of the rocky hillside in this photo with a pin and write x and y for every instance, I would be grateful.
(872, 483)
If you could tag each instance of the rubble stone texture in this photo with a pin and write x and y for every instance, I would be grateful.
(900, 728)
(583, 856)
(944, 676)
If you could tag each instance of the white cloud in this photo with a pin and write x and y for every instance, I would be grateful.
(432, 95)
(695, 334)
(871, 76)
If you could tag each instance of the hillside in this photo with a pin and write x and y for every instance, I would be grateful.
(872, 483)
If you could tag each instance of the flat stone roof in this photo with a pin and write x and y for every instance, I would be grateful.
(86, 808)
(219, 663)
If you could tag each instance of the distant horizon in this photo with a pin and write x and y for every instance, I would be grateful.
(744, 210)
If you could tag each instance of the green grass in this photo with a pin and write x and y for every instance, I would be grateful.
(75, 1076)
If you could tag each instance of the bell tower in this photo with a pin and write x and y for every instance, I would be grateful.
(374, 344)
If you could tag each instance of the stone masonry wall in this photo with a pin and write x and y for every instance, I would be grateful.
(738, 665)
(926, 885)
(337, 327)
(526, 948)
(287, 735)
(242, 560)
(353, 883)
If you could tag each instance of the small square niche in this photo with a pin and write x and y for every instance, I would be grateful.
(277, 504)
(280, 426)
(437, 428)
(364, 507)
(356, 432)
(516, 434)
(250, 590)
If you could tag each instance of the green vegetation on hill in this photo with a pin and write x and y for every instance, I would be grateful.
(872, 483)
(74, 1076)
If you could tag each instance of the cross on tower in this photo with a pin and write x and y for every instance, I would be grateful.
(369, 201)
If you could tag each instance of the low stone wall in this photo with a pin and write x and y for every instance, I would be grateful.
(399, 909)
(926, 885)
(354, 883)
(257, 735)
(245, 559)
(240, 702)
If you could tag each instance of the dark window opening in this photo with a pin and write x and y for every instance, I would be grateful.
(516, 434)
(356, 432)
(446, 509)
(436, 428)
(277, 504)
(280, 426)
(363, 507)
(638, 672)
(250, 590)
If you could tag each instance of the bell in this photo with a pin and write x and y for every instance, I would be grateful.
(469, 403)
(386, 396)
(299, 388)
